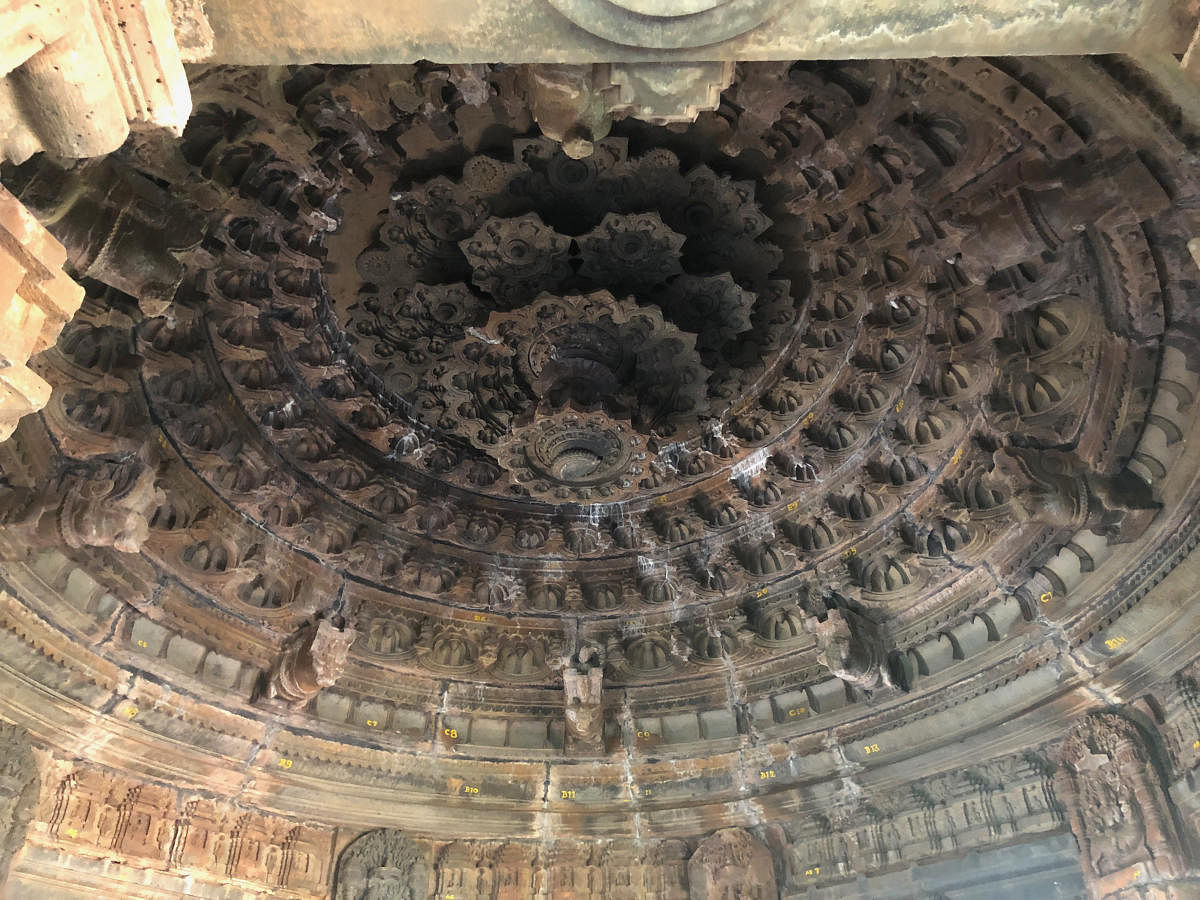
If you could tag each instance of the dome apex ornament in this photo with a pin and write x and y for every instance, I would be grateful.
(572, 456)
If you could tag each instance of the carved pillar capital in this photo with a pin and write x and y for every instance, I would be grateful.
(36, 299)
(85, 69)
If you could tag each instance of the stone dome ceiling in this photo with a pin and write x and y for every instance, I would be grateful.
(634, 494)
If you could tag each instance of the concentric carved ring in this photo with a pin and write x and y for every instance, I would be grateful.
(666, 24)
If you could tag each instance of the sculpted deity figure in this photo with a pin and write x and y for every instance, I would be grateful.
(1116, 804)
(732, 865)
(382, 865)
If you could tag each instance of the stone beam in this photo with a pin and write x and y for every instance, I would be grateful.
(586, 31)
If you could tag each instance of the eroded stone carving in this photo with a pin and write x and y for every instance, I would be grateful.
(583, 693)
(313, 658)
(97, 504)
(576, 104)
(1118, 810)
(19, 785)
(732, 865)
(382, 865)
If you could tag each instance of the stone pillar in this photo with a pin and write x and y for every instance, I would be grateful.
(36, 299)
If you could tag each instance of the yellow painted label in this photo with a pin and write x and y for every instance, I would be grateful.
(131, 711)
(793, 506)
(73, 832)
(762, 592)
(469, 789)
(900, 405)
(1115, 642)
(451, 733)
(645, 734)
(808, 420)
(372, 723)
(480, 617)
(797, 711)
(810, 872)
(567, 795)
(766, 773)
(142, 644)
(285, 763)
(871, 748)
(853, 551)
(1046, 597)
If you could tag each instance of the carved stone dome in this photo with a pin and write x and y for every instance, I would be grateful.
(475, 489)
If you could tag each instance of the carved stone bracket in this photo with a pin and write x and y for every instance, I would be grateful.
(583, 689)
(100, 504)
(313, 658)
(118, 227)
